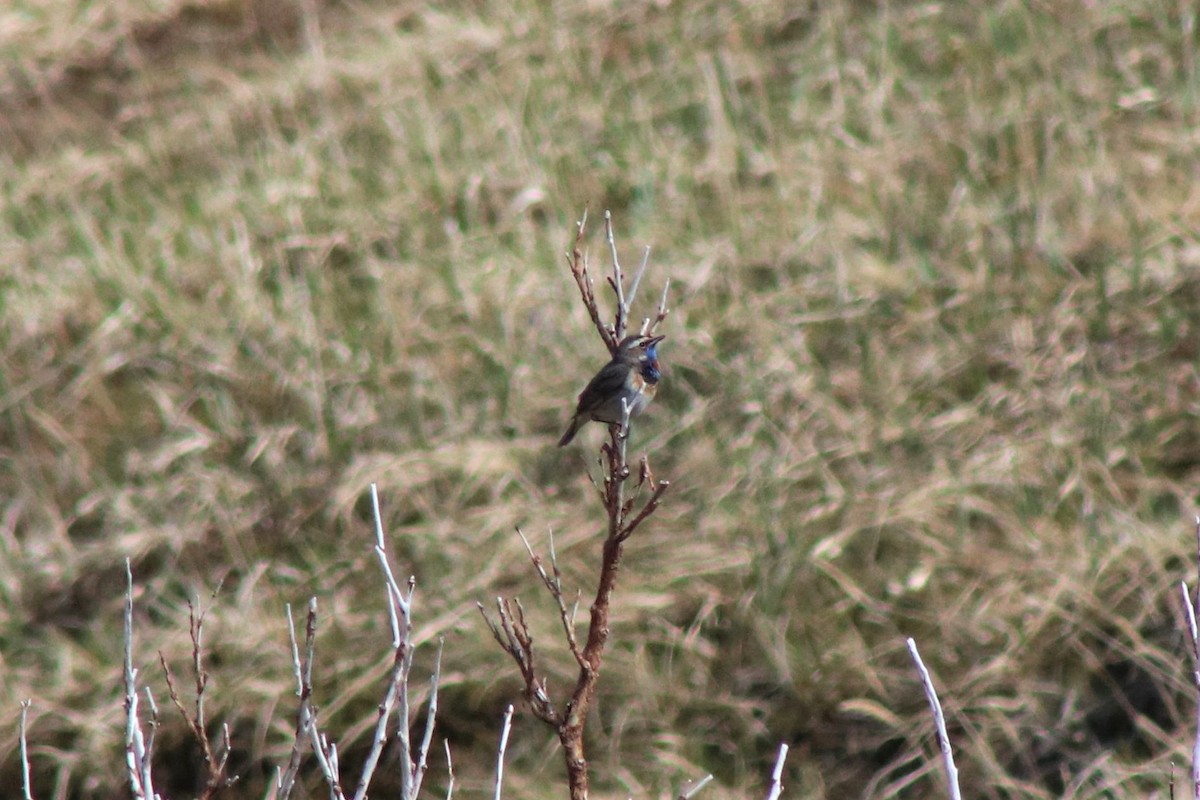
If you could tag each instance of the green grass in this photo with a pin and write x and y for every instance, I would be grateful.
(932, 372)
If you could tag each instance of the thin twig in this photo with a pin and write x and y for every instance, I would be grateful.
(1190, 612)
(509, 628)
(616, 280)
(690, 790)
(637, 278)
(25, 784)
(777, 775)
(430, 718)
(939, 722)
(449, 771)
(137, 756)
(396, 695)
(578, 261)
(512, 634)
(153, 706)
(395, 687)
(399, 605)
(196, 721)
(504, 729)
(646, 511)
(323, 751)
(1198, 551)
(287, 779)
(662, 307)
(554, 585)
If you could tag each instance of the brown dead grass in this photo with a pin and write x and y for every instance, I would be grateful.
(931, 373)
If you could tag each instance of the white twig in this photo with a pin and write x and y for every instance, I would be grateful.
(153, 721)
(662, 303)
(777, 774)
(137, 756)
(649, 326)
(306, 723)
(449, 771)
(508, 714)
(396, 685)
(616, 280)
(939, 721)
(637, 276)
(1189, 612)
(285, 780)
(399, 615)
(1191, 618)
(430, 719)
(326, 754)
(399, 606)
(25, 786)
(689, 791)
(626, 409)
(296, 669)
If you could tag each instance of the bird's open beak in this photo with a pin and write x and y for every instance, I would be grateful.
(654, 340)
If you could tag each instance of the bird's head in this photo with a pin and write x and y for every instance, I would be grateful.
(640, 349)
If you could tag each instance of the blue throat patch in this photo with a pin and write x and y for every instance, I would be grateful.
(650, 369)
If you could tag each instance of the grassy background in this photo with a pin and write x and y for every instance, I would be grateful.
(932, 372)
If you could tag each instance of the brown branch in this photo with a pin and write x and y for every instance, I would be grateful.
(510, 629)
(646, 511)
(578, 261)
(215, 766)
(512, 634)
(554, 586)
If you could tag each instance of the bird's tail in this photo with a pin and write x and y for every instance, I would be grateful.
(570, 434)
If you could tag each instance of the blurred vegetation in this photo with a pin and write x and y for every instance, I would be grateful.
(932, 372)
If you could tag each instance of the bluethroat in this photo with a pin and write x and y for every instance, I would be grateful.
(632, 376)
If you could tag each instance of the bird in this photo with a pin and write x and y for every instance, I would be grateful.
(632, 375)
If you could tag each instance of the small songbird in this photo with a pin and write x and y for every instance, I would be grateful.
(632, 374)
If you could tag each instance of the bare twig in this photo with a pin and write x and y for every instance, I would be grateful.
(1190, 613)
(637, 279)
(777, 775)
(616, 280)
(512, 634)
(651, 504)
(449, 771)
(554, 585)
(137, 755)
(662, 309)
(214, 766)
(399, 607)
(26, 788)
(306, 724)
(396, 684)
(153, 720)
(413, 765)
(690, 789)
(504, 729)
(578, 261)
(939, 722)
(287, 779)
(430, 718)
(509, 629)
(1198, 550)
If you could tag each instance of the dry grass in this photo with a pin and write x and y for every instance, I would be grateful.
(932, 373)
